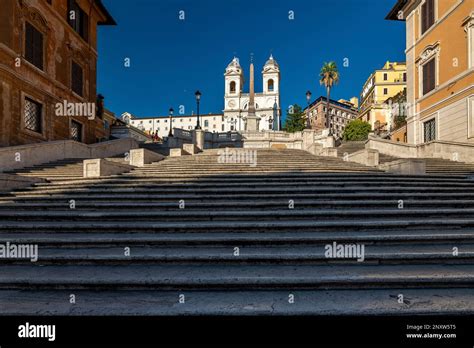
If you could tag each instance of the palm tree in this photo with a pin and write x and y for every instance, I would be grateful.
(329, 76)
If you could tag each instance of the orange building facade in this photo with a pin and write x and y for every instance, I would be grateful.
(48, 56)
(440, 69)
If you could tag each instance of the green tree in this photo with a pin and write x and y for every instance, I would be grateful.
(356, 130)
(295, 119)
(329, 76)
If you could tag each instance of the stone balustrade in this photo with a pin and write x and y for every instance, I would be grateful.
(18, 157)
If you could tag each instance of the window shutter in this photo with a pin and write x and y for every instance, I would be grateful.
(33, 46)
(29, 38)
(38, 49)
(425, 79)
(431, 13)
(76, 78)
(429, 76)
(85, 26)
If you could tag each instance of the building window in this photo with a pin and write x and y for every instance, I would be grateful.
(429, 128)
(385, 91)
(271, 86)
(404, 77)
(33, 46)
(78, 19)
(33, 115)
(232, 87)
(385, 76)
(206, 123)
(427, 15)
(429, 76)
(76, 131)
(77, 84)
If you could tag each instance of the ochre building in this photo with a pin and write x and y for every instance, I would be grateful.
(381, 85)
(440, 69)
(48, 55)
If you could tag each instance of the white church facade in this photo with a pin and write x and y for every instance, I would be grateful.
(267, 103)
(236, 106)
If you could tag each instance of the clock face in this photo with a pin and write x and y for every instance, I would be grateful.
(232, 104)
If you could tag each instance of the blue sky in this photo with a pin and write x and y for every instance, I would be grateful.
(170, 59)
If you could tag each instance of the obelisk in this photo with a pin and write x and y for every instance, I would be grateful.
(252, 119)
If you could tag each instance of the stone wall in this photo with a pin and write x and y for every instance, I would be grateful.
(17, 157)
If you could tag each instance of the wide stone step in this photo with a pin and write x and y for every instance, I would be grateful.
(239, 225)
(170, 276)
(232, 215)
(233, 302)
(125, 204)
(257, 185)
(315, 254)
(134, 180)
(225, 237)
(155, 197)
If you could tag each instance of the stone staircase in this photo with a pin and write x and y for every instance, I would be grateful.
(58, 170)
(191, 235)
(62, 170)
(435, 166)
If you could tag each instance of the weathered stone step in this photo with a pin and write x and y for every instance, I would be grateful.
(81, 196)
(258, 184)
(224, 237)
(125, 204)
(233, 302)
(313, 189)
(238, 225)
(138, 180)
(235, 276)
(232, 215)
(399, 253)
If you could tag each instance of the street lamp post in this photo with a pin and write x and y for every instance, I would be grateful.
(308, 99)
(198, 99)
(170, 134)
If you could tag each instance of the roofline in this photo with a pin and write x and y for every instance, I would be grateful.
(393, 14)
(109, 19)
(174, 116)
(331, 101)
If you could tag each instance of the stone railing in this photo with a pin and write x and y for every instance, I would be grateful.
(17, 157)
(391, 148)
(180, 137)
(182, 134)
(217, 140)
(460, 152)
(265, 139)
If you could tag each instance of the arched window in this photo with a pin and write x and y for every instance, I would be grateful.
(270, 85)
(232, 87)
